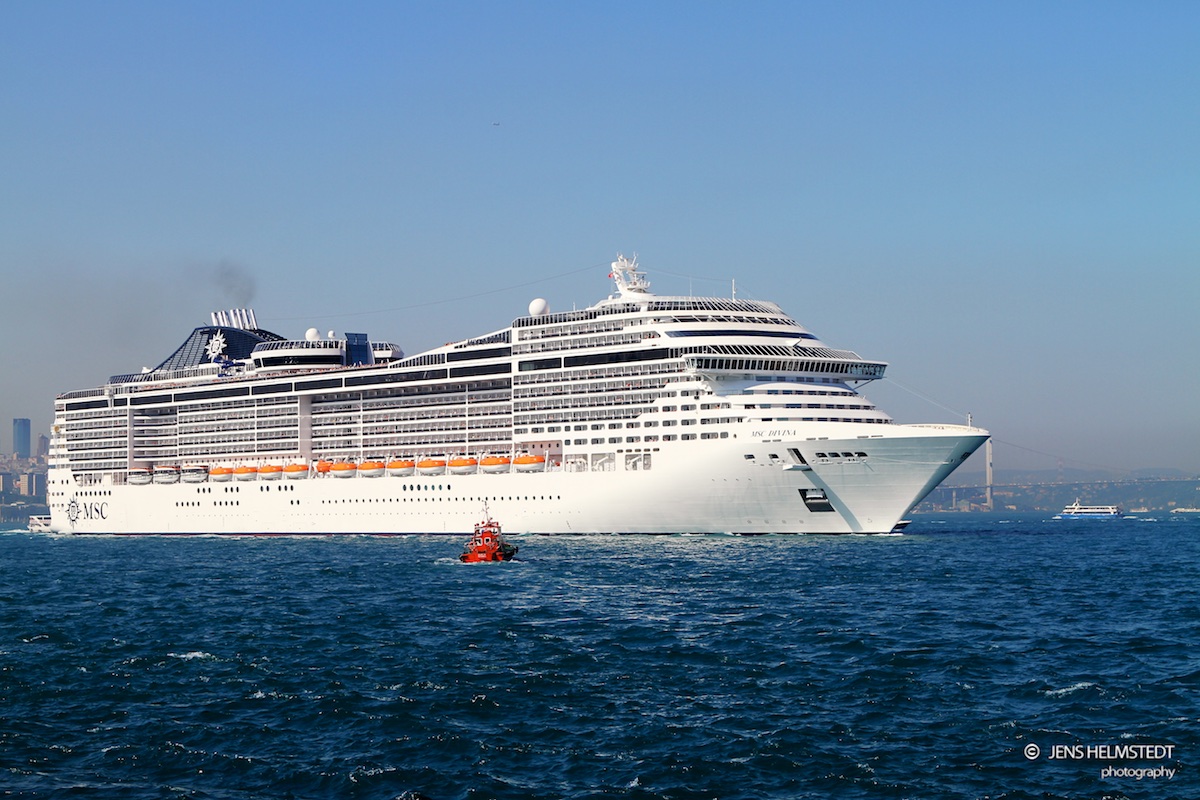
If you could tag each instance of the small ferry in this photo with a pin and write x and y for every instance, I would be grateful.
(487, 544)
(39, 523)
(1078, 511)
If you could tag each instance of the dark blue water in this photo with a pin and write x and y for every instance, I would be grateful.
(914, 666)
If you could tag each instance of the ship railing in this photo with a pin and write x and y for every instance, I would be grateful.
(940, 426)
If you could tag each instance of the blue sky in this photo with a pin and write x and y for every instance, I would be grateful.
(999, 199)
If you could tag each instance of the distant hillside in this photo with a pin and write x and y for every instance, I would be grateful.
(1016, 477)
(1151, 494)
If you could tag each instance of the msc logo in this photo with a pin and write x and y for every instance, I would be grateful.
(86, 511)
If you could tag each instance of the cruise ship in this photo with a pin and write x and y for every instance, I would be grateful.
(639, 414)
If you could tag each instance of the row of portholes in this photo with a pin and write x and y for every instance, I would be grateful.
(438, 499)
(196, 504)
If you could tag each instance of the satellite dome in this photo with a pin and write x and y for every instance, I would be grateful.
(312, 334)
(538, 307)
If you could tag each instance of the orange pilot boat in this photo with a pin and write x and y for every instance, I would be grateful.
(487, 544)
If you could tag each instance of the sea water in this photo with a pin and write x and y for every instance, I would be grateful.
(975, 656)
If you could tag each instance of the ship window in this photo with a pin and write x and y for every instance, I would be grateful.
(749, 456)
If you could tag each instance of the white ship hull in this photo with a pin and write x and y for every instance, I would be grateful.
(720, 492)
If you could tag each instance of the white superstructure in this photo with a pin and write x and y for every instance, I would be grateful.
(640, 414)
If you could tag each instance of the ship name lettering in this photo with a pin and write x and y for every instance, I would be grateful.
(775, 432)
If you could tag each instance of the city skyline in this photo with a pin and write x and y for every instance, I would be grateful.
(997, 200)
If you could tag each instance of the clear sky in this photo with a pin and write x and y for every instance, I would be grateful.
(1001, 200)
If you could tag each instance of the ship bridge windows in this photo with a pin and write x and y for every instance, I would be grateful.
(735, 332)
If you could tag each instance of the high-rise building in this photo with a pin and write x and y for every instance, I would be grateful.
(21, 438)
(43, 446)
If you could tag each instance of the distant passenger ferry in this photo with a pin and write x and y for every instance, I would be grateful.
(1077, 511)
(640, 414)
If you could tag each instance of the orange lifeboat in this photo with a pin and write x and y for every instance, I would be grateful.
(245, 473)
(401, 467)
(463, 465)
(431, 466)
(138, 476)
(270, 472)
(220, 474)
(530, 463)
(324, 467)
(487, 544)
(371, 469)
(495, 464)
(296, 471)
(343, 469)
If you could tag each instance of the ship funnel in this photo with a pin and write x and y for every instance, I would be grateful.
(235, 318)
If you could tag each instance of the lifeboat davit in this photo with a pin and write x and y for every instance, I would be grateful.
(344, 469)
(401, 467)
(270, 472)
(494, 464)
(193, 474)
(530, 463)
(463, 465)
(246, 473)
(431, 466)
(166, 474)
(371, 469)
(487, 544)
(220, 474)
(296, 471)
(139, 476)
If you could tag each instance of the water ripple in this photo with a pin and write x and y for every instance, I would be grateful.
(600, 667)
